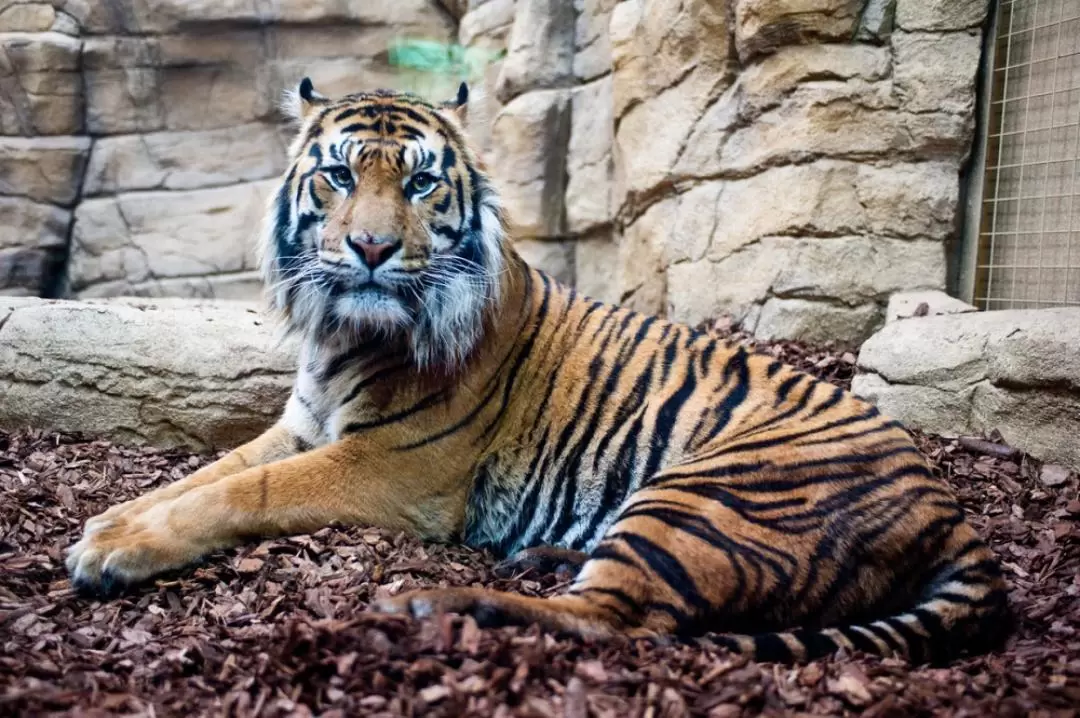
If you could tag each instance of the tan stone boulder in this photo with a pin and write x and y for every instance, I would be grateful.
(139, 236)
(40, 84)
(670, 61)
(540, 48)
(939, 15)
(761, 26)
(529, 138)
(1015, 371)
(46, 169)
(592, 43)
(554, 257)
(169, 373)
(596, 267)
(185, 160)
(589, 162)
(926, 303)
(32, 240)
(26, 17)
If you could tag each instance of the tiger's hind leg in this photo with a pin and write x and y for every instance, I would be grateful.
(617, 590)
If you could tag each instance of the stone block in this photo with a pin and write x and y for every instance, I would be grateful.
(644, 255)
(25, 223)
(540, 50)
(815, 322)
(838, 273)
(148, 99)
(589, 158)
(39, 52)
(204, 377)
(939, 15)
(926, 408)
(141, 236)
(935, 72)
(554, 257)
(1044, 423)
(241, 286)
(842, 122)
(592, 41)
(762, 26)
(487, 25)
(186, 160)
(671, 60)
(160, 17)
(45, 169)
(854, 270)
(529, 139)
(27, 17)
(906, 304)
(832, 198)
(596, 267)
(1015, 371)
(40, 85)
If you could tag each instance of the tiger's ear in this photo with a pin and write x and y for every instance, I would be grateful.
(459, 106)
(303, 100)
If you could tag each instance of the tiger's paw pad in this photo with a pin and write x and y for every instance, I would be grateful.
(563, 563)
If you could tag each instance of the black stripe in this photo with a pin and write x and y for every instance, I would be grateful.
(607, 552)
(667, 568)
(912, 640)
(886, 637)
(426, 403)
(786, 387)
(770, 647)
(818, 645)
(861, 641)
(372, 378)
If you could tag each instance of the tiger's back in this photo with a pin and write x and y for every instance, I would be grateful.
(447, 389)
(790, 501)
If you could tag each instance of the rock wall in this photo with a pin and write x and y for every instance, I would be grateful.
(137, 138)
(790, 163)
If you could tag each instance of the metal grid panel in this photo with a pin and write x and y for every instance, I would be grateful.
(1029, 229)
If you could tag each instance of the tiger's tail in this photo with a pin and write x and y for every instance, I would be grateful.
(964, 609)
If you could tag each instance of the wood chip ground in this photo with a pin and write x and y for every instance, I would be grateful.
(280, 628)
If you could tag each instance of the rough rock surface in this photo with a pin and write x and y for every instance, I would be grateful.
(1016, 372)
(655, 142)
(169, 373)
(790, 163)
(930, 303)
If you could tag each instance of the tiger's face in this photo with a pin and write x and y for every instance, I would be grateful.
(384, 224)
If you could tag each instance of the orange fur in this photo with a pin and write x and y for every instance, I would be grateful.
(712, 490)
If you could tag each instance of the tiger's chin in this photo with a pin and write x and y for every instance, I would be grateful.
(373, 309)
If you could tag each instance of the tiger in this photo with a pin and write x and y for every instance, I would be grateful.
(447, 389)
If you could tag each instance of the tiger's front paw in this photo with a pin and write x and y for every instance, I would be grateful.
(123, 548)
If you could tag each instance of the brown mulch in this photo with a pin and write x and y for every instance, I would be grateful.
(279, 627)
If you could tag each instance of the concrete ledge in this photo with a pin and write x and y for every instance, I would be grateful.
(1016, 371)
(194, 373)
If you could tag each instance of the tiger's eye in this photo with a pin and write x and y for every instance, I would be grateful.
(341, 175)
(421, 182)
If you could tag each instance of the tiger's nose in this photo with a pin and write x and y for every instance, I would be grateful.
(372, 251)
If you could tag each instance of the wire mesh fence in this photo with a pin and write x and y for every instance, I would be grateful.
(1029, 226)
